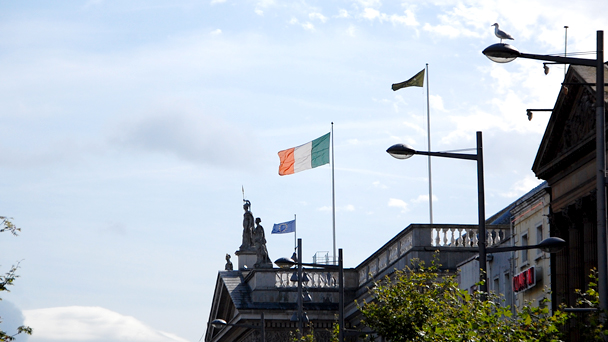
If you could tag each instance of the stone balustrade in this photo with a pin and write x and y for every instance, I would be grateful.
(427, 237)
(465, 237)
(316, 279)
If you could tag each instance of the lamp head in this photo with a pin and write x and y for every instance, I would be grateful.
(552, 245)
(529, 114)
(501, 53)
(285, 263)
(401, 151)
(218, 323)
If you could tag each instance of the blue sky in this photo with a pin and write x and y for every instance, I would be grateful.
(130, 128)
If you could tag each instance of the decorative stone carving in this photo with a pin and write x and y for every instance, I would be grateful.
(248, 226)
(259, 240)
(228, 266)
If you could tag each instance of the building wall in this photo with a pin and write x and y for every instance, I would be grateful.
(530, 226)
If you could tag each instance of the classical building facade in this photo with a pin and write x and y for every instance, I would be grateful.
(566, 160)
(242, 295)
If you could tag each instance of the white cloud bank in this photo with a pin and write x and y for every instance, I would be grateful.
(83, 323)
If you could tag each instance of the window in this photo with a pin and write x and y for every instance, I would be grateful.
(524, 253)
(539, 237)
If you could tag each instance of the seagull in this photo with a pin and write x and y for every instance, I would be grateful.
(501, 34)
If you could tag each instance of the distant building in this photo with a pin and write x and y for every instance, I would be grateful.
(531, 281)
(499, 265)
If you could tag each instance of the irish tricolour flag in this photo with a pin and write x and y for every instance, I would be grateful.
(304, 157)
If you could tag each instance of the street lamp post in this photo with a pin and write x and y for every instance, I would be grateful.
(220, 323)
(548, 245)
(504, 53)
(401, 151)
(286, 263)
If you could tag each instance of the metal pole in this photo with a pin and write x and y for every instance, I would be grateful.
(341, 297)
(333, 192)
(565, 48)
(428, 135)
(600, 149)
(263, 328)
(482, 216)
(300, 309)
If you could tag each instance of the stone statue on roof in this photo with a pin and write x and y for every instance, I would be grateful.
(248, 226)
(259, 239)
(228, 266)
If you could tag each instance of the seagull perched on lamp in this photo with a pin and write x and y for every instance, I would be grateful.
(501, 34)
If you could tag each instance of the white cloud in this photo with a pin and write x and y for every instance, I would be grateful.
(409, 19)
(342, 13)
(369, 3)
(370, 14)
(307, 25)
(82, 323)
(213, 2)
(216, 32)
(261, 5)
(522, 186)
(317, 16)
(436, 102)
(351, 30)
(424, 199)
(394, 202)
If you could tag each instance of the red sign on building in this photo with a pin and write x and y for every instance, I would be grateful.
(524, 280)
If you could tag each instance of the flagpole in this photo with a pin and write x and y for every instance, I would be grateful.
(428, 134)
(333, 191)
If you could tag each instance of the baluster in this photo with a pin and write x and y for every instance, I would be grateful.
(437, 239)
(475, 238)
(452, 240)
(445, 236)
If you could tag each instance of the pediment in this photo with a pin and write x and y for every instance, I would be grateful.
(230, 295)
(570, 133)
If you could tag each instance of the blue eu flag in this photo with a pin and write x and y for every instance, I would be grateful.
(285, 227)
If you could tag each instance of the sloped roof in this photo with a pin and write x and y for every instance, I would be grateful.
(238, 290)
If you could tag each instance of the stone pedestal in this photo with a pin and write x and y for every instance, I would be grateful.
(246, 258)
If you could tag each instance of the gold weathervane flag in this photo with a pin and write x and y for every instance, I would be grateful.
(416, 81)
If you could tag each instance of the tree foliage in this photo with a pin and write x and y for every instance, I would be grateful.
(422, 304)
(591, 324)
(8, 279)
(7, 225)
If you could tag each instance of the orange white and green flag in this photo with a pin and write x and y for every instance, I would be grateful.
(310, 155)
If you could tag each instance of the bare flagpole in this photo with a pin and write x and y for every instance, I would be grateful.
(428, 127)
(333, 191)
